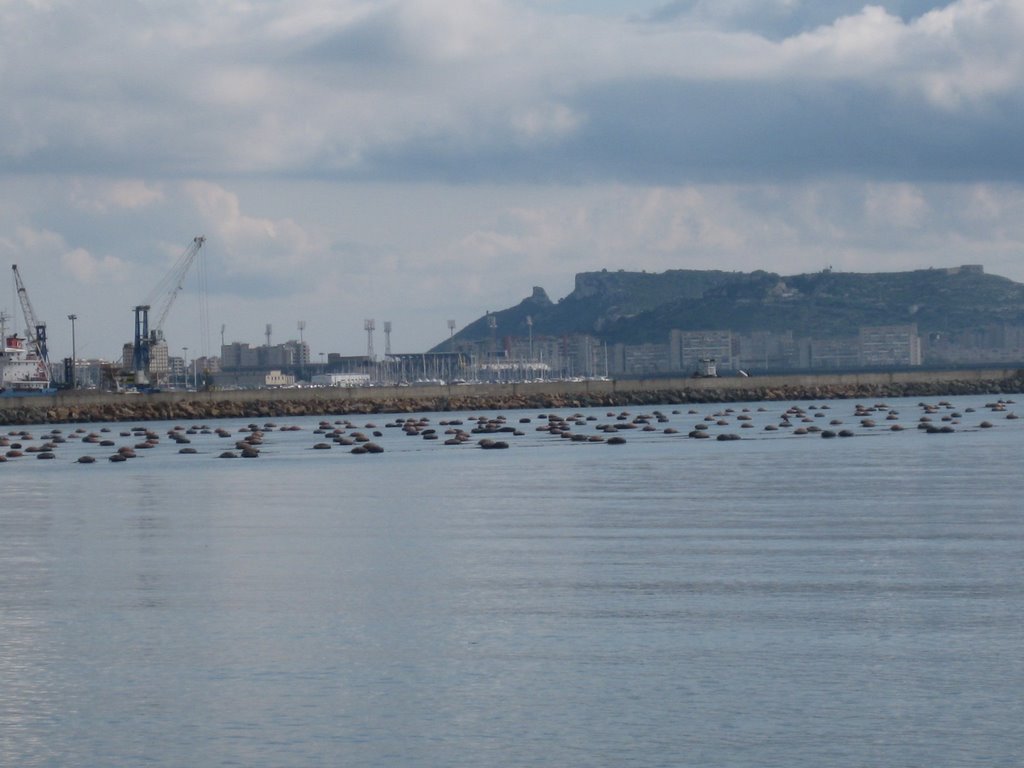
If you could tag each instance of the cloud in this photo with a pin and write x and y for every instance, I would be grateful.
(897, 205)
(102, 196)
(470, 91)
(86, 268)
(43, 251)
(252, 245)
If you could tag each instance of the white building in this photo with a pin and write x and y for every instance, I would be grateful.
(688, 348)
(887, 345)
(341, 380)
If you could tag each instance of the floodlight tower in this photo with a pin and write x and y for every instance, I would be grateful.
(451, 334)
(369, 326)
(387, 338)
(302, 328)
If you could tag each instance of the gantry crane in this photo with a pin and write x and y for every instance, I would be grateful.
(163, 297)
(36, 331)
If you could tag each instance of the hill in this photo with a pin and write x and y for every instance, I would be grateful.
(641, 307)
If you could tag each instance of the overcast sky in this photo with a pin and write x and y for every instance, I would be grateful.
(425, 160)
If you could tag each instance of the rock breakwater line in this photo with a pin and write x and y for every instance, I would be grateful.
(22, 411)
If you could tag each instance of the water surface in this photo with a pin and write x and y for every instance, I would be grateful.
(777, 600)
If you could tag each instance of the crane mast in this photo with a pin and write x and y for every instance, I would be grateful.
(36, 331)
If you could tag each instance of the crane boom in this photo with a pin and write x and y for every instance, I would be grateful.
(36, 331)
(169, 288)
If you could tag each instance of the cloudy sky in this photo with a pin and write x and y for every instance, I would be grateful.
(425, 160)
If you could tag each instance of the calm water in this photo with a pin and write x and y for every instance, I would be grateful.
(773, 601)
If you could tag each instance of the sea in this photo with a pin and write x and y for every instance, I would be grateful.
(781, 599)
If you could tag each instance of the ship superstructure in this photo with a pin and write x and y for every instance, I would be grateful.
(21, 369)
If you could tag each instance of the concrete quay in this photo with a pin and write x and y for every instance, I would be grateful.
(75, 407)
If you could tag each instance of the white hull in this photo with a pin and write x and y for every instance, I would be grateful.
(21, 370)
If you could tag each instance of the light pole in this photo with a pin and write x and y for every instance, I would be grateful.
(74, 356)
(184, 365)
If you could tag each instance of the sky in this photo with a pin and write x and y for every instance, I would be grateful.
(420, 161)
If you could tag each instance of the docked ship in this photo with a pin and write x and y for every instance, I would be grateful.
(24, 364)
(22, 371)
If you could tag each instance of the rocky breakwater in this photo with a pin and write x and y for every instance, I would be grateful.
(208, 406)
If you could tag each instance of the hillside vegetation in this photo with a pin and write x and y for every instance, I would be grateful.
(638, 307)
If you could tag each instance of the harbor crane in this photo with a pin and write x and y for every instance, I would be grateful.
(162, 296)
(36, 331)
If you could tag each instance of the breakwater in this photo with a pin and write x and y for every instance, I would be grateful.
(74, 407)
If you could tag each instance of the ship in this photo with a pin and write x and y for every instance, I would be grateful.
(24, 363)
(22, 371)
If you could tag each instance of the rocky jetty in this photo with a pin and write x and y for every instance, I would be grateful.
(257, 404)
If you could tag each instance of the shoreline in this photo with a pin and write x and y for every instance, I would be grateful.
(81, 407)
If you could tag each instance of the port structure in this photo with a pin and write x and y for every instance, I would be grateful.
(163, 297)
(369, 326)
(36, 330)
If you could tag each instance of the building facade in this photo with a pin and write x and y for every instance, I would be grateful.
(688, 348)
(889, 346)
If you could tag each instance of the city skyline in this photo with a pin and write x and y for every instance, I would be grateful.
(415, 162)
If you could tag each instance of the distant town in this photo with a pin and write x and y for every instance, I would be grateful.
(975, 321)
(708, 352)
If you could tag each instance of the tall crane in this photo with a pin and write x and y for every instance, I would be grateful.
(36, 331)
(162, 296)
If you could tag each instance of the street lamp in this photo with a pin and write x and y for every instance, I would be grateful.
(74, 356)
